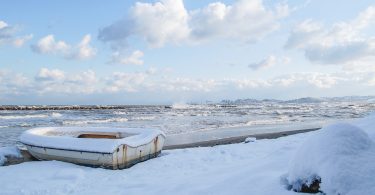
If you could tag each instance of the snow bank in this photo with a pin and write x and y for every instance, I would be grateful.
(341, 155)
(66, 138)
(8, 152)
(367, 124)
(252, 168)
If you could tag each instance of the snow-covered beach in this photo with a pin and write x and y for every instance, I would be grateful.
(256, 167)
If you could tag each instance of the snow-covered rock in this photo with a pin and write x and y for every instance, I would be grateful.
(8, 152)
(341, 155)
(250, 139)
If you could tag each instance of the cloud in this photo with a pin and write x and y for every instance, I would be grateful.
(304, 34)
(186, 85)
(265, 63)
(128, 82)
(50, 75)
(169, 22)
(48, 45)
(57, 81)
(157, 23)
(8, 35)
(3, 24)
(20, 41)
(314, 79)
(244, 20)
(83, 50)
(6, 31)
(343, 43)
(50, 82)
(86, 82)
(12, 83)
(133, 59)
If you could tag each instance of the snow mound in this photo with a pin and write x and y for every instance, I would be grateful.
(367, 124)
(341, 155)
(8, 152)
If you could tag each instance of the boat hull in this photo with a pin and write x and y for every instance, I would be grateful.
(124, 156)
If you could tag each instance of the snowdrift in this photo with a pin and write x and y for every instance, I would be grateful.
(341, 156)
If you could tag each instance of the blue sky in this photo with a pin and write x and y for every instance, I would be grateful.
(161, 52)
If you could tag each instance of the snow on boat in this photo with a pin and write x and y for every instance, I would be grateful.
(113, 148)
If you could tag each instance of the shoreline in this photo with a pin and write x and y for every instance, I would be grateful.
(237, 139)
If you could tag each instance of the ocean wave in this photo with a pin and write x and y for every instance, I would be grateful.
(180, 106)
(56, 115)
(25, 125)
(12, 117)
(97, 121)
(143, 118)
(120, 112)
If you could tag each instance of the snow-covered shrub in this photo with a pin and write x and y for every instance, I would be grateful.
(341, 155)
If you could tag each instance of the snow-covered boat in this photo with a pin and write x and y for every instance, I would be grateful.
(113, 148)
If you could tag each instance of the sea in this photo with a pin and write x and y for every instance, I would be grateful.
(183, 118)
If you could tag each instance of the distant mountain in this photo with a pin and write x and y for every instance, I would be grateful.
(240, 101)
(304, 100)
(352, 98)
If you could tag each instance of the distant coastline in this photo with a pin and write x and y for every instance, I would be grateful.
(69, 107)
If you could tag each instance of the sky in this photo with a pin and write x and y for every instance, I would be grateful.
(176, 51)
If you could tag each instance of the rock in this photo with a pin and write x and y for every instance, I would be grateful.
(250, 139)
(25, 157)
(313, 188)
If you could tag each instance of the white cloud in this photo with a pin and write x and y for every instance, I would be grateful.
(152, 82)
(83, 50)
(6, 31)
(157, 23)
(245, 20)
(57, 81)
(265, 63)
(133, 59)
(3, 24)
(186, 85)
(8, 35)
(168, 21)
(128, 82)
(48, 45)
(12, 83)
(246, 84)
(343, 43)
(50, 75)
(315, 79)
(304, 34)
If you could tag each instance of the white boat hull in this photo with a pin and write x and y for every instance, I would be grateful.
(123, 157)
(113, 148)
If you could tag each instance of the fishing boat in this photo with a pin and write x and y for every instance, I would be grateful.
(112, 148)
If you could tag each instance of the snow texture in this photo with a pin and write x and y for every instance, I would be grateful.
(8, 152)
(250, 139)
(342, 155)
(66, 138)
